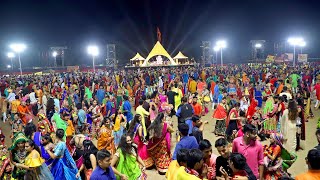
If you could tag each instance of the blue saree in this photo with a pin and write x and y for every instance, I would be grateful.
(64, 167)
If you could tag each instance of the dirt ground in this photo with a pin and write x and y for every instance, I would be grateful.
(298, 167)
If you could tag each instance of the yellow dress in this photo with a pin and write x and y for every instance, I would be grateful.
(34, 159)
(39, 169)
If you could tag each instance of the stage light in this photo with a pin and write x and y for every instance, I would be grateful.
(18, 48)
(216, 48)
(93, 51)
(10, 55)
(221, 44)
(258, 45)
(296, 41)
(8, 66)
(54, 54)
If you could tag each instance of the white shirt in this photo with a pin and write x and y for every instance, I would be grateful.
(44, 100)
(33, 98)
(287, 94)
(160, 83)
(11, 97)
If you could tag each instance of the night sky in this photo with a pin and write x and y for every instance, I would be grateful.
(131, 25)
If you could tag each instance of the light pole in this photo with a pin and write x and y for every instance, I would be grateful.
(296, 42)
(54, 54)
(18, 48)
(11, 56)
(302, 44)
(93, 51)
(257, 46)
(216, 49)
(221, 44)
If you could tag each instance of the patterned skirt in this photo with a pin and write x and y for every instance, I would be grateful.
(220, 128)
(160, 156)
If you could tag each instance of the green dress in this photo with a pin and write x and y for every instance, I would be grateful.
(128, 165)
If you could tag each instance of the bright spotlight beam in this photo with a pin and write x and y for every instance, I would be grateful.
(221, 44)
(216, 48)
(258, 45)
(54, 54)
(296, 41)
(10, 55)
(18, 47)
(93, 50)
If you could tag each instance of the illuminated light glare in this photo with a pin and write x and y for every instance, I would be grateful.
(18, 47)
(303, 44)
(10, 55)
(221, 44)
(54, 54)
(8, 66)
(295, 41)
(258, 45)
(216, 48)
(93, 50)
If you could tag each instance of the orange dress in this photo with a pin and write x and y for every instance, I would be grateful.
(197, 109)
(26, 117)
(105, 140)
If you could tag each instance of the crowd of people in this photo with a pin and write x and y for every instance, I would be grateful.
(117, 124)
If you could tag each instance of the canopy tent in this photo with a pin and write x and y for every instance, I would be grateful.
(158, 50)
(180, 56)
(137, 57)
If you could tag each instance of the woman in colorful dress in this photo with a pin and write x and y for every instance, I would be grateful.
(307, 102)
(288, 126)
(301, 124)
(153, 107)
(46, 142)
(159, 143)
(163, 99)
(126, 107)
(119, 126)
(272, 157)
(34, 165)
(63, 166)
(105, 138)
(258, 94)
(31, 132)
(233, 122)
(96, 118)
(126, 162)
(18, 154)
(220, 115)
(89, 159)
(136, 132)
(269, 114)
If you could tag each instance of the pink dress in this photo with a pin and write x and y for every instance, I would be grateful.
(142, 147)
(163, 99)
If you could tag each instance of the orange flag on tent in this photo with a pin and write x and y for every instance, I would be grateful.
(158, 34)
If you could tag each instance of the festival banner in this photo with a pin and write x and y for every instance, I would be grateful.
(302, 57)
(288, 57)
(72, 68)
(270, 59)
(279, 58)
